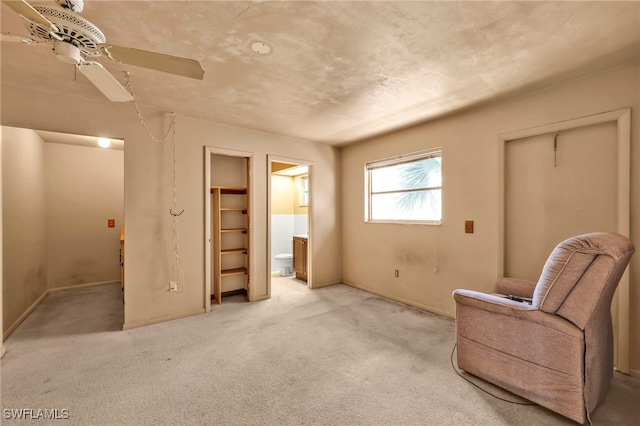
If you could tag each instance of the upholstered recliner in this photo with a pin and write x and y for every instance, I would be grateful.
(558, 350)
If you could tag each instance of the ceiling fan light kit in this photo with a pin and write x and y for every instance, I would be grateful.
(75, 39)
(67, 53)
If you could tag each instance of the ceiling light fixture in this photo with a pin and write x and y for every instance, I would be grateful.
(261, 48)
(104, 142)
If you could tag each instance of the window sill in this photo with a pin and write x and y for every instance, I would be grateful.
(407, 222)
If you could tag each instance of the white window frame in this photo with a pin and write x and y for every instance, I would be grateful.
(304, 191)
(393, 161)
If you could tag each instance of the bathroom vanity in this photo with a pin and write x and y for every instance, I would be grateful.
(300, 254)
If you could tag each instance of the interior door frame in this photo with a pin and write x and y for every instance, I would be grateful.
(210, 151)
(293, 161)
(622, 117)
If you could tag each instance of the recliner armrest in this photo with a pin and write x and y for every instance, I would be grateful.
(515, 286)
(490, 302)
(503, 306)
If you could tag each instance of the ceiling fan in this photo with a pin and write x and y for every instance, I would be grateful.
(76, 41)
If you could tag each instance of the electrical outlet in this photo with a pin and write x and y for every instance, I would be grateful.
(396, 273)
(173, 285)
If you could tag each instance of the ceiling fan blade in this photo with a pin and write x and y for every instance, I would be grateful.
(155, 61)
(23, 8)
(18, 39)
(105, 82)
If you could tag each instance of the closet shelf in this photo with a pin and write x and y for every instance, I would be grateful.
(230, 206)
(229, 190)
(240, 250)
(234, 209)
(243, 230)
(234, 271)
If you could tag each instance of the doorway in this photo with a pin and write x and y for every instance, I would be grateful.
(62, 217)
(289, 248)
(228, 239)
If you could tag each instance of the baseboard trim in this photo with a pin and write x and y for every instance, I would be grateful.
(400, 299)
(325, 284)
(24, 315)
(75, 287)
(138, 324)
(634, 373)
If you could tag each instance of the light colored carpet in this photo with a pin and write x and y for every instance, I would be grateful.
(332, 356)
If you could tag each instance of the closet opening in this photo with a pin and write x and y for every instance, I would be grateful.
(228, 227)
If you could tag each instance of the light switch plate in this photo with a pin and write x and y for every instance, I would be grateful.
(468, 227)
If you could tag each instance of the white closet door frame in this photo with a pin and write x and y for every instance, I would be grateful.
(623, 119)
(210, 151)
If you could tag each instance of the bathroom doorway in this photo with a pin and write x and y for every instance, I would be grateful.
(289, 235)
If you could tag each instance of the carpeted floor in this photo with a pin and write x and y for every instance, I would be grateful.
(332, 356)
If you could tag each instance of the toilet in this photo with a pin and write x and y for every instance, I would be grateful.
(285, 262)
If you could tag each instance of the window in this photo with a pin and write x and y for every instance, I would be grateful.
(304, 191)
(405, 189)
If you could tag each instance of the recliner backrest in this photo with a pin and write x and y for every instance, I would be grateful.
(579, 273)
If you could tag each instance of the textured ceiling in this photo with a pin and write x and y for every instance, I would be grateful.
(339, 71)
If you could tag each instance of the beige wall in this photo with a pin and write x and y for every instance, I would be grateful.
(435, 260)
(229, 171)
(148, 224)
(281, 194)
(24, 223)
(149, 196)
(285, 194)
(84, 188)
(2, 349)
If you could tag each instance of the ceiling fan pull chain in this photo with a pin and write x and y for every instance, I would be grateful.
(555, 150)
(177, 273)
(129, 87)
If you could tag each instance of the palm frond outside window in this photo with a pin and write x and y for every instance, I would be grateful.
(406, 189)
